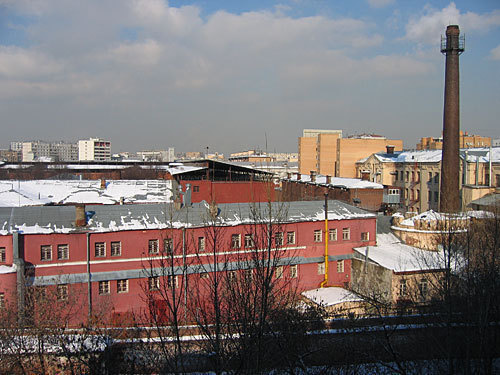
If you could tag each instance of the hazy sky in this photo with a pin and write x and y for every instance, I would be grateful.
(224, 74)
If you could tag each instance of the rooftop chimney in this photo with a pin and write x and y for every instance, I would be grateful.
(365, 176)
(80, 218)
(328, 179)
(299, 176)
(103, 183)
(451, 46)
(288, 175)
(390, 149)
(313, 176)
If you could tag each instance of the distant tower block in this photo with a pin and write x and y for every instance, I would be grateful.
(451, 46)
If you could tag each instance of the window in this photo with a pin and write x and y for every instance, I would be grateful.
(235, 241)
(116, 249)
(332, 235)
(418, 195)
(100, 249)
(293, 271)
(402, 288)
(278, 239)
(62, 292)
(340, 266)
(154, 283)
(407, 176)
(201, 243)
(430, 176)
(436, 178)
(196, 189)
(279, 272)
(122, 286)
(418, 176)
(46, 252)
(497, 177)
(248, 240)
(168, 246)
(103, 287)
(423, 287)
(2, 300)
(346, 234)
(317, 235)
(62, 252)
(172, 281)
(413, 176)
(231, 275)
(153, 247)
(204, 275)
(321, 268)
(401, 176)
(248, 275)
(290, 238)
(436, 196)
(365, 236)
(2, 255)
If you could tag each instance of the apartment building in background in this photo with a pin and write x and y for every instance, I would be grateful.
(94, 149)
(326, 152)
(466, 141)
(45, 151)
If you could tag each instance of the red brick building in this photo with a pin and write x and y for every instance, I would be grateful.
(111, 261)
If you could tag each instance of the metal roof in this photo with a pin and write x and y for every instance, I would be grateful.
(106, 218)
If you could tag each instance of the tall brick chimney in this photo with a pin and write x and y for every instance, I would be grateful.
(451, 46)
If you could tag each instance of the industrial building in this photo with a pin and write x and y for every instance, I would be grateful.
(110, 256)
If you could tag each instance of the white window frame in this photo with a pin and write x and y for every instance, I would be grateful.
(294, 271)
(290, 238)
(154, 283)
(248, 241)
(318, 235)
(365, 236)
(63, 252)
(153, 246)
(62, 292)
(46, 250)
(100, 249)
(346, 234)
(116, 248)
(279, 272)
(202, 246)
(340, 266)
(278, 239)
(332, 234)
(403, 288)
(168, 246)
(104, 288)
(236, 241)
(3, 255)
(321, 268)
(122, 286)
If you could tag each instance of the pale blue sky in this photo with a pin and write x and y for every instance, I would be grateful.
(224, 74)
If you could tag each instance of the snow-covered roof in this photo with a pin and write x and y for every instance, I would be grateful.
(429, 216)
(330, 296)
(109, 218)
(349, 183)
(434, 156)
(41, 192)
(392, 254)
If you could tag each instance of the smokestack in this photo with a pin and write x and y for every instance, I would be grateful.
(452, 46)
(390, 149)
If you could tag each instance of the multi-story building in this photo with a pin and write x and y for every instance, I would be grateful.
(94, 149)
(46, 151)
(466, 141)
(327, 153)
(113, 259)
(157, 155)
(11, 156)
(412, 178)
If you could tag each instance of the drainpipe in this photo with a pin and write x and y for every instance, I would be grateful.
(491, 177)
(89, 281)
(184, 271)
(325, 282)
(20, 278)
(477, 170)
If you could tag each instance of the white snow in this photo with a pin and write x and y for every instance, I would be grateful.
(392, 254)
(41, 192)
(8, 269)
(350, 183)
(330, 296)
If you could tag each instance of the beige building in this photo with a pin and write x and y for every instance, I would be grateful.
(94, 149)
(414, 176)
(327, 153)
(466, 141)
